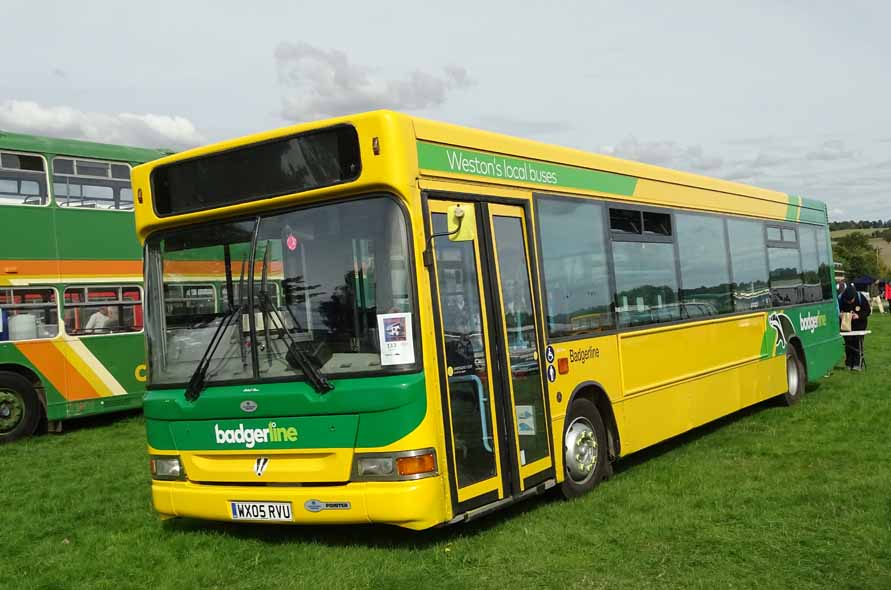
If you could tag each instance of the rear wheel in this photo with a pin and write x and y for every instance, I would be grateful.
(19, 407)
(795, 379)
(585, 457)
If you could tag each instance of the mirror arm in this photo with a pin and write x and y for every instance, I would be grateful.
(428, 250)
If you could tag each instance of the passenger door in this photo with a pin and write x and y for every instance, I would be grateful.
(495, 410)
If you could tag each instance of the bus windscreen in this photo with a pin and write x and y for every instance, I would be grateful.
(260, 171)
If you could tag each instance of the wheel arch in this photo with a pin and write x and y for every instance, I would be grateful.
(596, 394)
(795, 342)
(32, 377)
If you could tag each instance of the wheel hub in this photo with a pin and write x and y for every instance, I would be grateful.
(792, 375)
(12, 409)
(581, 450)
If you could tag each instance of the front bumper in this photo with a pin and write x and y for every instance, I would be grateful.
(417, 504)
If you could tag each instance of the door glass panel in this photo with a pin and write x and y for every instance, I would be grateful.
(465, 342)
(522, 346)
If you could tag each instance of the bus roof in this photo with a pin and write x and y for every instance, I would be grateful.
(645, 182)
(75, 147)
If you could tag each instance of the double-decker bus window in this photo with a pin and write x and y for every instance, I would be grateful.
(91, 184)
(705, 276)
(22, 179)
(574, 263)
(102, 310)
(28, 313)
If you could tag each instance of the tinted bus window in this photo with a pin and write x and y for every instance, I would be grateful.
(810, 262)
(705, 275)
(646, 283)
(575, 267)
(748, 257)
(785, 277)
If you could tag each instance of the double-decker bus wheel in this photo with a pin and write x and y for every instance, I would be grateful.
(19, 407)
(585, 457)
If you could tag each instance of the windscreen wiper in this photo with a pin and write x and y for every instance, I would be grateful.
(297, 357)
(197, 382)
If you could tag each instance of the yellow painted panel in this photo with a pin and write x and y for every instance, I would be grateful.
(667, 355)
(591, 361)
(764, 203)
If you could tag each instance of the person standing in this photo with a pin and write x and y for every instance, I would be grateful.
(854, 302)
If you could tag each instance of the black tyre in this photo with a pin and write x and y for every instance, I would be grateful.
(795, 377)
(585, 453)
(20, 410)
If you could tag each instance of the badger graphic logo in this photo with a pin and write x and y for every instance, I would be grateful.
(783, 326)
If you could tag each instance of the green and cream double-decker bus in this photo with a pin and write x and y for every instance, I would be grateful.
(71, 318)
(418, 323)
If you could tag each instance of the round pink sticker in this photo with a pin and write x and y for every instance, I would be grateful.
(292, 243)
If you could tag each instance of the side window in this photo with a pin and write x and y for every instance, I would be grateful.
(92, 184)
(644, 263)
(748, 257)
(188, 301)
(22, 179)
(705, 276)
(827, 276)
(574, 261)
(810, 262)
(784, 263)
(102, 310)
(28, 313)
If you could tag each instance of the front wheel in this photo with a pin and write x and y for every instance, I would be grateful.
(585, 457)
(795, 380)
(19, 407)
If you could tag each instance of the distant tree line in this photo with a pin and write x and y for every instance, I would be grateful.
(864, 224)
(858, 256)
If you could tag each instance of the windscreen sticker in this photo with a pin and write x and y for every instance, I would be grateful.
(395, 335)
(526, 420)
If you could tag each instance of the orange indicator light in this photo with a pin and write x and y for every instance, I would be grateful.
(415, 465)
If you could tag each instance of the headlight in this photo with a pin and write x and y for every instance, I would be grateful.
(403, 465)
(167, 467)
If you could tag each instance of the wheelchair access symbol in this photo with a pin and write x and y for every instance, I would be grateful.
(549, 354)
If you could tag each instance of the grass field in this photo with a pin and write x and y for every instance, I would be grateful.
(770, 497)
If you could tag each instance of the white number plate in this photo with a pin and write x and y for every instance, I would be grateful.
(275, 511)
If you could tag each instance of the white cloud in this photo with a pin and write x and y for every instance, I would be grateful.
(665, 153)
(145, 130)
(831, 150)
(318, 83)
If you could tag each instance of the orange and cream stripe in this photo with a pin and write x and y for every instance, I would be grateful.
(26, 272)
(71, 368)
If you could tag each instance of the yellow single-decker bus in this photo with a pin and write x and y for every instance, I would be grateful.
(420, 322)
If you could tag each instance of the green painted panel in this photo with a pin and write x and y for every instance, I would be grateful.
(73, 147)
(385, 408)
(461, 161)
(816, 326)
(792, 208)
(27, 233)
(100, 405)
(96, 235)
(122, 355)
(304, 432)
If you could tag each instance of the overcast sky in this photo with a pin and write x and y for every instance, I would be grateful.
(794, 95)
